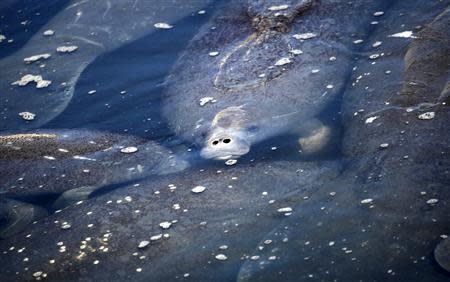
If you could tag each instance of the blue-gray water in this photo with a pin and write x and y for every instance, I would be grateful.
(107, 184)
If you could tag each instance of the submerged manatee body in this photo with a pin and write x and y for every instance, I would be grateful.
(260, 69)
(69, 165)
(391, 204)
(165, 229)
(84, 30)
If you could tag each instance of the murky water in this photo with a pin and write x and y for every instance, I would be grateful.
(224, 140)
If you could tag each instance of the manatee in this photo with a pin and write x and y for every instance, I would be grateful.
(260, 69)
(167, 228)
(69, 165)
(442, 254)
(53, 59)
(415, 71)
(352, 232)
(390, 206)
(16, 215)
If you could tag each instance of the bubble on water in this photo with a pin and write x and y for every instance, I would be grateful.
(205, 100)
(40, 82)
(156, 237)
(403, 34)
(163, 26)
(278, 8)
(284, 210)
(432, 202)
(221, 257)
(48, 32)
(371, 119)
(367, 201)
(143, 244)
(165, 225)
(198, 189)
(376, 44)
(129, 150)
(384, 145)
(304, 36)
(231, 162)
(296, 51)
(35, 58)
(66, 49)
(283, 61)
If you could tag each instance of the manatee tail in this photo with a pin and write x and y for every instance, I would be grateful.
(15, 216)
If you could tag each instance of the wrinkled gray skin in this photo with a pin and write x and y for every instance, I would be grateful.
(234, 207)
(93, 26)
(394, 235)
(250, 40)
(391, 238)
(71, 164)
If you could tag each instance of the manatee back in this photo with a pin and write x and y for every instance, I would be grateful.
(54, 161)
(237, 59)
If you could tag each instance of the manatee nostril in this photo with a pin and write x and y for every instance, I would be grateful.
(226, 140)
(215, 142)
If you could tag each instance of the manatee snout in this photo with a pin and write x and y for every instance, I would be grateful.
(225, 144)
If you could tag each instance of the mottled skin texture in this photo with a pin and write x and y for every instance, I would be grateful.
(97, 152)
(250, 40)
(91, 25)
(393, 237)
(235, 210)
(72, 164)
(427, 64)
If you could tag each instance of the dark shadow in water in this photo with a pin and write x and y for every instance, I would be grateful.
(44, 200)
(47, 200)
(21, 19)
(128, 83)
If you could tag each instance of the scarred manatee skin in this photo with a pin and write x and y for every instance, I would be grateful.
(279, 68)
